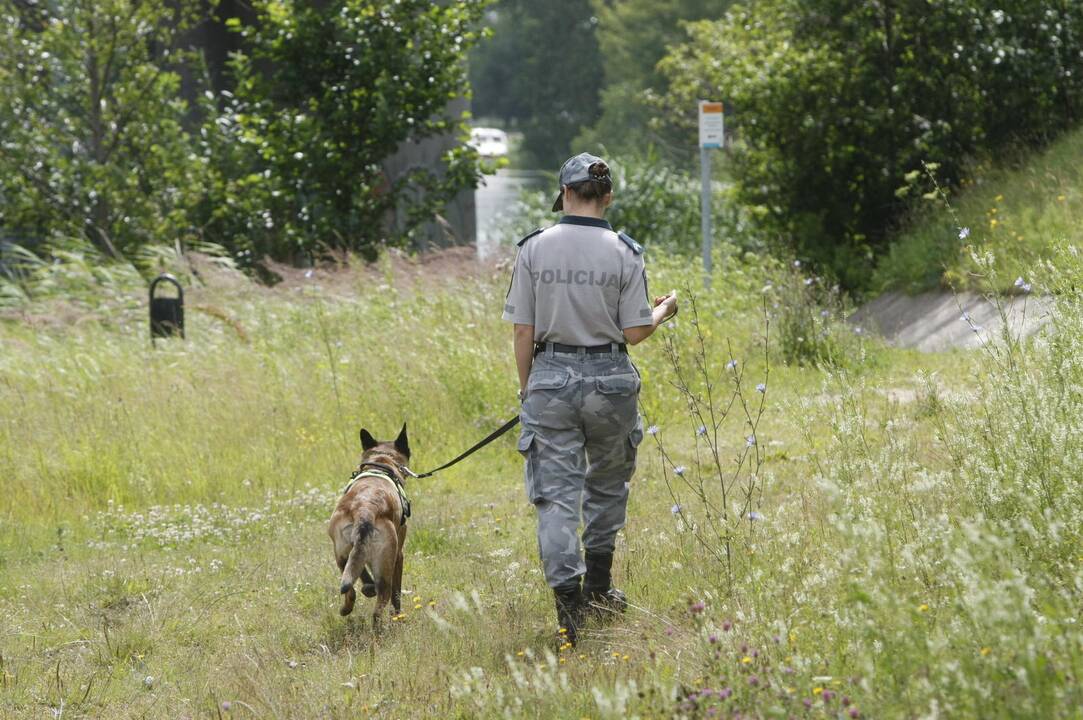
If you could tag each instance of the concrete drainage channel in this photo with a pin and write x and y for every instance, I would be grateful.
(937, 321)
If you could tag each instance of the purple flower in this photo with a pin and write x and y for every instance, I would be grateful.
(652, 430)
(731, 365)
(755, 516)
(828, 695)
(761, 388)
(807, 703)
(854, 713)
(845, 701)
(712, 639)
(726, 626)
(697, 607)
(724, 693)
(679, 470)
(226, 705)
(701, 430)
(750, 440)
(676, 509)
(754, 681)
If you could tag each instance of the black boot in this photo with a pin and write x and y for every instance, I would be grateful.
(569, 599)
(598, 591)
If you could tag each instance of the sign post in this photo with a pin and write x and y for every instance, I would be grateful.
(710, 137)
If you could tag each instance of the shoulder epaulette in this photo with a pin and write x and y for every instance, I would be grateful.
(523, 241)
(636, 247)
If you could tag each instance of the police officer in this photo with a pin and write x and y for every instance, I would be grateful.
(578, 298)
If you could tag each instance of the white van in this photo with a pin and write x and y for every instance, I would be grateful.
(489, 142)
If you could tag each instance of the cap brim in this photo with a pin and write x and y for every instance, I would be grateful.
(558, 205)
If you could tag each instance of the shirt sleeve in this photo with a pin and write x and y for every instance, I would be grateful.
(519, 303)
(634, 309)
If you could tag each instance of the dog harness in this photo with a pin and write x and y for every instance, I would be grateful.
(381, 471)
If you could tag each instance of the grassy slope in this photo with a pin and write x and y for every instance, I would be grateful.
(1020, 212)
(163, 517)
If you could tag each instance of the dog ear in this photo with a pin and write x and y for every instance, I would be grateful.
(402, 443)
(367, 441)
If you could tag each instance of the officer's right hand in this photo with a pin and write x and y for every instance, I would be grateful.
(669, 302)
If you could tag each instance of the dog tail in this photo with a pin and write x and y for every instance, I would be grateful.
(355, 563)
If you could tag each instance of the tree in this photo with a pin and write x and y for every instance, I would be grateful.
(324, 93)
(836, 103)
(542, 69)
(92, 138)
(633, 36)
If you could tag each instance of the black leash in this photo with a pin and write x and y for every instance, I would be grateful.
(492, 436)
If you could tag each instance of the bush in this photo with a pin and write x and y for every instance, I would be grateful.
(92, 136)
(835, 102)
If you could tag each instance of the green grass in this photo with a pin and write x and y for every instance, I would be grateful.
(1020, 211)
(164, 513)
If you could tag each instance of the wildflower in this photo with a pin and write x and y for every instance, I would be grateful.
(226, 705)
(652, 430)
(828, 695)
(1061, 198)
(726, 625)
(676, 509)
(724, 693)
(755, 516)
(417, 598)
(701, 430)
(616, 654)
(854, 713)
(761, 388)
(697, 607)
(148, 682)
(817, 690)
(809, 281)
(562, 631)
(964, 233)
(807, 703)
(993, 224)
(846, 701)
(754, 681)
(679, 470)
(750, 440)
(625, 658)
(432, 603)
(985, 651)
(417, 606)
(746, 660)
(923, 608)
(520, 654)
(797, 263)
(712, 639)
(731, 365)
(824, 313)
(998, 198)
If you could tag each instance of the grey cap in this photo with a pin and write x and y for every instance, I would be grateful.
(576, 170)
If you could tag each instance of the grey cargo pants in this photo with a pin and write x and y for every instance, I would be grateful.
(580, 430)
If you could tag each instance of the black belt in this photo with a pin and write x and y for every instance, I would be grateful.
(590, 349)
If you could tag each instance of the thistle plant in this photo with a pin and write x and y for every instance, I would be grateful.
(717, 495)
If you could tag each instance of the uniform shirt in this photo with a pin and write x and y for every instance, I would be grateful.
(579, 283)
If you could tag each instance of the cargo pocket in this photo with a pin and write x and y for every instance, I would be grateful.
(636, 436)
(527, 450)
(546, 380)
(623, 384)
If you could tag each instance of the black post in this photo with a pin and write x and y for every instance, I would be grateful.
(166, 313)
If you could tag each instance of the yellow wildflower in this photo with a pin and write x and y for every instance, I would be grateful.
(985, 651)
(625, 658)
(417, 598)
(520, 654)
(1061, 198)
(999, 198)
(923, 608)
(746, 660)
(817, 690)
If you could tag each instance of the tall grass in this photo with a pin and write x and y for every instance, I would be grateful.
(1019, 209)
(163, 549)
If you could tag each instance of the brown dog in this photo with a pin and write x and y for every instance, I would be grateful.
(368, 528)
